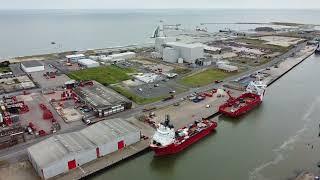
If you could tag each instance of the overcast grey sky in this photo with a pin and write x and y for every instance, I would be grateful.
(157, 4)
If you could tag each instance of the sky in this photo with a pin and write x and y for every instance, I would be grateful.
(158, 4)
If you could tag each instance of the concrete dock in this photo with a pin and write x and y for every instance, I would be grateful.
(287, 65)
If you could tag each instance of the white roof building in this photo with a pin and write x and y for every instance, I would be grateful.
(89, 63)
(32, 66)
(61, 153)
(75, 57)
(189, 52)
(126, 55)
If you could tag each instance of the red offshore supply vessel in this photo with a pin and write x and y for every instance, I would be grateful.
(167, 141)
(253, 96)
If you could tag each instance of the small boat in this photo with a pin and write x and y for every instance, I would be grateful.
(253, 96)
(167, 141)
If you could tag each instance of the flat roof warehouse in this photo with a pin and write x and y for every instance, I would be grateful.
(28, 64)
(99, 96)
(51, 156)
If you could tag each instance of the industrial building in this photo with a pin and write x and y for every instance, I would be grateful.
(75, 57)
(170, 55)
(32, 66)
(188, 52)
(101, 99)
(161, 41)
(88, 63)
(115, 57)
(61, 153)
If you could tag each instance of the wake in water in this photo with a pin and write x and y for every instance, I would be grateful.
(287, 145)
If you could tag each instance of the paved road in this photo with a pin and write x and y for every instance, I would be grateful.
(18, 152)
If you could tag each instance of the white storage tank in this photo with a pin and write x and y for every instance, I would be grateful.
(180, 60)
(170, 55)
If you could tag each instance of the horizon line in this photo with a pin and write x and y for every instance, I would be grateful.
(195, 8)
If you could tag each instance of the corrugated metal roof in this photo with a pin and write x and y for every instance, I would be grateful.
(47, 151)
(99, 96)
(105, 131)
(31, 64)
(59, 146)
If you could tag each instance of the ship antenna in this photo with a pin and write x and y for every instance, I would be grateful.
(167, 120)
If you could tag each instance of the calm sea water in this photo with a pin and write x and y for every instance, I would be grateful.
(31, 32)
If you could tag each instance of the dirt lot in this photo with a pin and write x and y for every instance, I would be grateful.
(280, 41)
(44, 82)
(18, 171)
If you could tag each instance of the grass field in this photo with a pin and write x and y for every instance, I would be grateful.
(4, 69)
(106, 75)
(133, 97)
(204, 78)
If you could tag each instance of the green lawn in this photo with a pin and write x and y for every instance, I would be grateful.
(181, 71)
(105, 74)
(4, 69)
(137, 99)
(204, 78)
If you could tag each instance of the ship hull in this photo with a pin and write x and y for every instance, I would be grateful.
(225, 109)
(176, 148)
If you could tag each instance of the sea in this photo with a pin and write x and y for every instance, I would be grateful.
(30, 32)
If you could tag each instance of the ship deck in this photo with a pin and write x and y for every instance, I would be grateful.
(238, 104)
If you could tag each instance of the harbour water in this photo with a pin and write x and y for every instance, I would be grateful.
(275, 141)
(29, 32)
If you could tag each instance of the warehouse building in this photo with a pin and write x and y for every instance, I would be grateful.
(88, 63)
(32, 66)
(188, 52)
(103, 100)
(161, 41)
(75, 57)
(116, 57)
(61, 153)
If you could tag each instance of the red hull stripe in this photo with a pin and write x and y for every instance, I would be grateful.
(175, 148)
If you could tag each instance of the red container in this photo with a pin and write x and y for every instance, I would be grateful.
(47, 115)
(43, 107)
(42, 133)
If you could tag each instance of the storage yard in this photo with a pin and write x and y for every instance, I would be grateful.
(186, 76)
